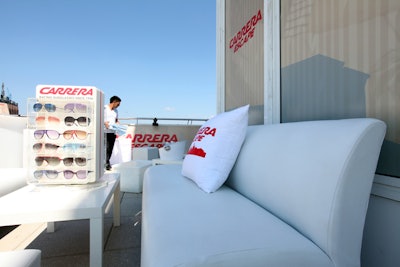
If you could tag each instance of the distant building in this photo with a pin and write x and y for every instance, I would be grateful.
(7, 106)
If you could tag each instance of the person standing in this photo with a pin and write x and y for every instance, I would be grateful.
(110, 118)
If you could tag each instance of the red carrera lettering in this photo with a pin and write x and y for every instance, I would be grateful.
(198, 137)
(154, 138)
(174, 138)
(147, 145)
(207, 131)
(245, 33)
(197, 152)
(203, 132)
(157, 138)
(66, 91)
(138, 138)
(243, 41)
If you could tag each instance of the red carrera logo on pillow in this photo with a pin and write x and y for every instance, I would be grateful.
(203, 132)
(197, 152)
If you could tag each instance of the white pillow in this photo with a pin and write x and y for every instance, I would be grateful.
(215, 148)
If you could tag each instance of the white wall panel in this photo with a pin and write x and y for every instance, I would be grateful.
(244, 57)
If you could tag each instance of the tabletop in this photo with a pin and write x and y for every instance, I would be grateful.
(43, 203)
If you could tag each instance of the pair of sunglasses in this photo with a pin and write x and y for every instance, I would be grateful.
(53, 135)
(54, 161)
(82, 121)
(68, 174)
(53, 147)
(50, 119)
(48, 106)
(70, 107)
(69, 121)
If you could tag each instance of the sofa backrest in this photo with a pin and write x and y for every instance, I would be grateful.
(11, 141)
(316, 176)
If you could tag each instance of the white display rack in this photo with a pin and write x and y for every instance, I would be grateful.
(65, 138)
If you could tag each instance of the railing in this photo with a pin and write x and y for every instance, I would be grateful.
(156, 121)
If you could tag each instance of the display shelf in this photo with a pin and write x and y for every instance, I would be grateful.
(64, 138)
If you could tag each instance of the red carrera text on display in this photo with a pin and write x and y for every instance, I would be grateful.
(66, 91)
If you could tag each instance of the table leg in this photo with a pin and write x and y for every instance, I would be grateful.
(96, 242)
(117, 206)
(51, 227)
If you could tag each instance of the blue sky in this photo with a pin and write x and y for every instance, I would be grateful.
(158, 56)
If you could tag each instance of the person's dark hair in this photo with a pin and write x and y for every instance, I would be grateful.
(115, 98)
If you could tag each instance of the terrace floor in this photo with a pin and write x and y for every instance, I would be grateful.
(69, 244)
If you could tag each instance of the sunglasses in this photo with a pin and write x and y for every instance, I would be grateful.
(68, 174)
(79, 107)
(73, 146)
(82, 121)
(54, 161)
(53, 147)
(49, 107)
(50, 119)
(53, 135)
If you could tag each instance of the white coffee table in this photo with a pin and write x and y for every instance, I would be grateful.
(45, 203)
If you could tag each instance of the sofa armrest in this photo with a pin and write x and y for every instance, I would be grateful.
(21, 258)
(12, 179)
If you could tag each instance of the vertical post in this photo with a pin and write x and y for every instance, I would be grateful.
(272, 67)
(220, 51)
(51, 227)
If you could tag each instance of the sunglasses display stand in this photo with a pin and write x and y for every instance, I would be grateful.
(65, 135)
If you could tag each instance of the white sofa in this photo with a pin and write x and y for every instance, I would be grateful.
(12, 173)
(296, 196)
(21, 258)
(12, 177)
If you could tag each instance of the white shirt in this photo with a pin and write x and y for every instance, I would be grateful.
(110, 115)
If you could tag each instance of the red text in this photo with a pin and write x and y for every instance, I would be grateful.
(203, 132)
(153, 140)
(66, 91)
(246, 33)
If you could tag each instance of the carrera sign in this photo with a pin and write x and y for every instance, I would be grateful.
(246, 33)
(153, 140)
(70, 91)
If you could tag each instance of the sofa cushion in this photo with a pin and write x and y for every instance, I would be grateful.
(215, 148)
(184, 226)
